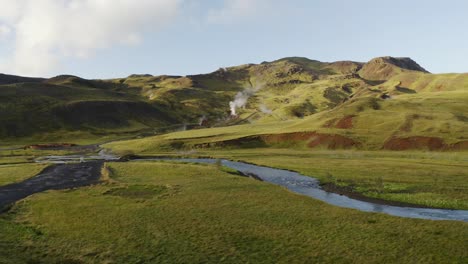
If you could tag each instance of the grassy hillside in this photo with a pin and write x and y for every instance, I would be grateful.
(387, 103)
(9, 79)
(383, 68)
(337, 108)
(289, 88)
(424, 121)
(44, 109)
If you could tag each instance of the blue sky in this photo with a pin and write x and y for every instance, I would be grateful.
(194, 36)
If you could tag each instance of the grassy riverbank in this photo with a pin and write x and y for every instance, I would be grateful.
(174, 213)
(18, 172)
(428, 179)
(433, 179)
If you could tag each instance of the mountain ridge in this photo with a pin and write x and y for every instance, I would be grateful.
(402, 62)
(315, 95)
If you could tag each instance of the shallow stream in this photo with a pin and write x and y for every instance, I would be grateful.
(294, 182)
(309, 186)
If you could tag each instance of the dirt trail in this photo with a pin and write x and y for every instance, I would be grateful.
(55, 177)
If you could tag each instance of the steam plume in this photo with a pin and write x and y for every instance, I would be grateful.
(264, 109)
(240, 100)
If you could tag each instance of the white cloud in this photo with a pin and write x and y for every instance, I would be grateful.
(45, 31)
(4, 31)
(235, 10)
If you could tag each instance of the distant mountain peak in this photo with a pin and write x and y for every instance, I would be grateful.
(383, 68)
(402, 62)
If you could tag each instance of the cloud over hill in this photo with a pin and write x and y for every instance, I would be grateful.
(46, 31)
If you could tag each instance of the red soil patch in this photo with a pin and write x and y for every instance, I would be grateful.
(417, 142)
(462, 145)
(278, 138)
(312, 139)
(332, 141)
(346, 122)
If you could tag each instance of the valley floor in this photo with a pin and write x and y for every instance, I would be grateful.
(428, 179)
(163, 212)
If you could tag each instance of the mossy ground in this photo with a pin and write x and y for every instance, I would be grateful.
(18, 172)
(434, 179)
(205, 215)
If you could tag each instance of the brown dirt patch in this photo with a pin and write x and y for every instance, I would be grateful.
(416, 142)
(279, 138)
(346, 122)
(462, 145)
(312, 139)
(332, 141)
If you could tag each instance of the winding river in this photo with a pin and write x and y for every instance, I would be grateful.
(309, 186)
(293, 181)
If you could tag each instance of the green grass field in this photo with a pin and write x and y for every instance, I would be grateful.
(434, 179)
(429, 179)
(19, 172)
(152, 212)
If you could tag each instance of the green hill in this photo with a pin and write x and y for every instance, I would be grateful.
(45, 111)
(402, 107)
(290, 87)
(9, 79)
(387, 103)
(383, 68)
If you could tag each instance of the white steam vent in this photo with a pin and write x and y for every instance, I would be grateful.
(240, 100)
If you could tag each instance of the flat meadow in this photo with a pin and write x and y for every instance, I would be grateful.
(163, 212)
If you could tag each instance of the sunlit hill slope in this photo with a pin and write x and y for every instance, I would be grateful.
(386, 103)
